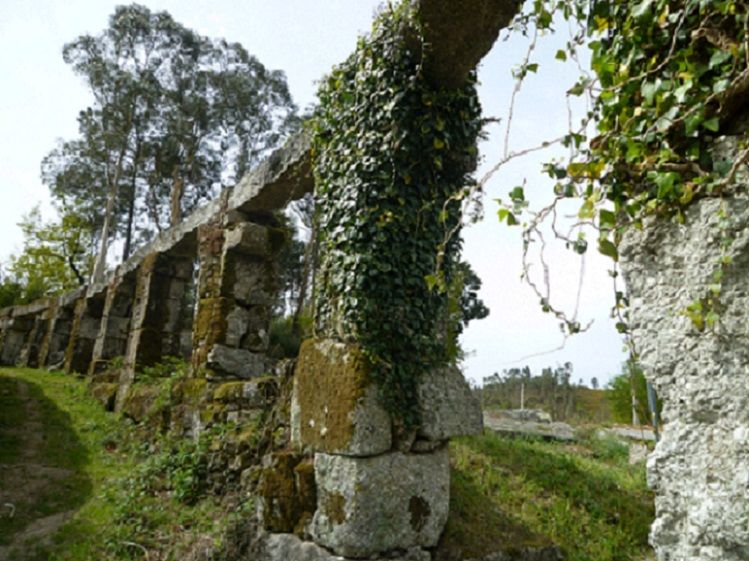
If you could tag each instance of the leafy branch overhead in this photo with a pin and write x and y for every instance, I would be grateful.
(668, 82)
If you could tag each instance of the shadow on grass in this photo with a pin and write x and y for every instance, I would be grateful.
(579, 506)
(42, 460)
(477, 528)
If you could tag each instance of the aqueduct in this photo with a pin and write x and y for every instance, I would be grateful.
(378, 490)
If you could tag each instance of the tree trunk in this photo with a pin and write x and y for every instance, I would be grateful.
(131, 207)
(101, 259)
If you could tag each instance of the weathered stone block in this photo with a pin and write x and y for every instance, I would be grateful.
(700, 466)
(335, 406)
(254, 282)
(448, 406)
(254, 240)
(140, 402)
(286, 491)
(369, 506)
(238, 363)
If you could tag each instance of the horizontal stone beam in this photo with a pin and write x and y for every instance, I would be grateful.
(285, 176)
(460, 34)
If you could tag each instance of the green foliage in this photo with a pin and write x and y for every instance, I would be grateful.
(132, 499)
(668, 79)
(175, 117)
(512, 493)
(620, 395)
(56, 258)
(286, 337)
(392, 161)
(551, 391)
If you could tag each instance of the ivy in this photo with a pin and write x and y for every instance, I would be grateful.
(668, 79)
(393, 157)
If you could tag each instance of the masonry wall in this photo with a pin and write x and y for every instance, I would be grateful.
(700, 468)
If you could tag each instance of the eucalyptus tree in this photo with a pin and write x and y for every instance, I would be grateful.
(175, 117)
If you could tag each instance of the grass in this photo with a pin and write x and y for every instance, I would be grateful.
(129, 496)
(12, 414)
(511, 494)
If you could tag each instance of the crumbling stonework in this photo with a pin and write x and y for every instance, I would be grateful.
(700, 468)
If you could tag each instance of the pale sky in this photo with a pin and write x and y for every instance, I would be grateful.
(40, 99)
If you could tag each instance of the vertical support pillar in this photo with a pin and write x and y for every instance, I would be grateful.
(700, 466)
(19, 327)
(237, 287)
(154, 332)
(84, 329)
(111, 340)
(29, 357)
(57, 337)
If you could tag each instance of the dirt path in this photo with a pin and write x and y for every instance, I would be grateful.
(25, 482)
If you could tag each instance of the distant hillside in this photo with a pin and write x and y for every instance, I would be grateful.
(551, 391)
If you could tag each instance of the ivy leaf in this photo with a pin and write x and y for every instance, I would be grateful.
(712, 124)
(517, 195)
(606, 218)
(505, 215)
(642, 9)
(607, 248)
(561, 55)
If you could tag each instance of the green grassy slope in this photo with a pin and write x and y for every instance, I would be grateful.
(515, 493)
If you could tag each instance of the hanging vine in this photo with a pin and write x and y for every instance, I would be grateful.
(669, 79)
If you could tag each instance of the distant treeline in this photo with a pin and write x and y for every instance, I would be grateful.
(552, 391)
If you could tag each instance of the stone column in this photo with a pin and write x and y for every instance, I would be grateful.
(700, 468)
(162, 279)
(29, 357)
(111, 340)
(375, 493)
(83, 331)
(61, 313)
(16, 334)
(236, 290)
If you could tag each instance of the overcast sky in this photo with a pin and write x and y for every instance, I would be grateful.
(40, 98)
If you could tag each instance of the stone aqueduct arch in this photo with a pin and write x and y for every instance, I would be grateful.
(375, 493)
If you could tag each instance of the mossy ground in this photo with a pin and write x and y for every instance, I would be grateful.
(125, 497)
(512, 493)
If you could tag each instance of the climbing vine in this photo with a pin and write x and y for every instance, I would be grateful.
(668, 81)
(393, 157)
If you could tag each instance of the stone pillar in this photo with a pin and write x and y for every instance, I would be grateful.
(16, 334)
(61, 313)
(111, 340)
(236, 290)
(376, 493)
(29, 357)
(700, 468)
(83, 331)
(155, 326)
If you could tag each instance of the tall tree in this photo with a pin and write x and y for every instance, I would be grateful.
(176, 116)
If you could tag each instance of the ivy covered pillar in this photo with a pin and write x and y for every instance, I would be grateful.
(375, 396)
